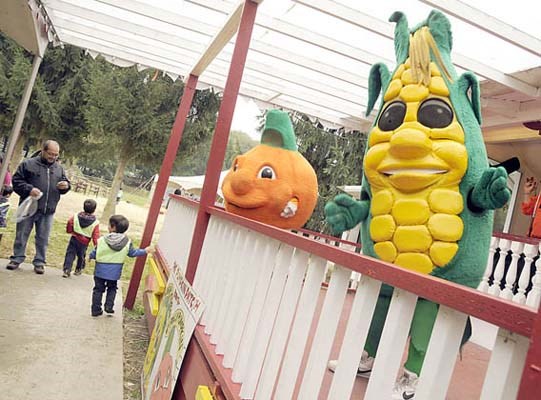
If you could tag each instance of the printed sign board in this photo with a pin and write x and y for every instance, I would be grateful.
(180, 310)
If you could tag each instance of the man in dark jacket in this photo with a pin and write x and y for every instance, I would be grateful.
(38, 175)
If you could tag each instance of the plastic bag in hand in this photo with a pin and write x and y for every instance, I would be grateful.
(27, 208)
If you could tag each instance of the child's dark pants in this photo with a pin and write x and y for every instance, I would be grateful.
(97, 294)
(75, 249)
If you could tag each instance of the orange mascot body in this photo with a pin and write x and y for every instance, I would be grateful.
(272, 183)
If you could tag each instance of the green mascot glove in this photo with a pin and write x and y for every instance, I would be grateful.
(344, 213)
(491, 191)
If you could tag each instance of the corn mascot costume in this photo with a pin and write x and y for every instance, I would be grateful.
(428, 191)
(272, 183)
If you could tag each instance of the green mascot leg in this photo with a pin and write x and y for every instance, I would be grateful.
(378, 320)
(421, 328)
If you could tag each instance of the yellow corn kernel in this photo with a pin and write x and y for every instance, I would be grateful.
(414, 93)
(437, 86)
(386, 251)
(381, 203)
(448, 228)
(399, 71)
(378, 136)
(446, 201)
(415, 238)
(452, 132)
(434, 70)
(411, 211)
(382, 228)
(392, 91)
(407, 77)
(415, 261)
(407, 63)
(442, 253)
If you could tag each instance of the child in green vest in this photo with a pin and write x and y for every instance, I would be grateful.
(4, 208)
(83, 228)
(110, 255)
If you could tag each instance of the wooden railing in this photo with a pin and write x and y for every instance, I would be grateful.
(261, 286)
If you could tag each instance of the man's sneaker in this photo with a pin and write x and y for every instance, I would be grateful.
(404, 388)
(66, 274)
(109, 310)
(365, 365)
(78, 272)
(39, 269)
(96, 313)
(12, 265)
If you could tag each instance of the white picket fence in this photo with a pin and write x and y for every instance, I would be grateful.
(261, 296)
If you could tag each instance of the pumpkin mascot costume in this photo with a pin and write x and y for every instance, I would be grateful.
(272, 183)
(427, 191)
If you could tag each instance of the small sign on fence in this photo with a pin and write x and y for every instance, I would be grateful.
(180, 310)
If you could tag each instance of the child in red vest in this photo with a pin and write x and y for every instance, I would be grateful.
(83, 227)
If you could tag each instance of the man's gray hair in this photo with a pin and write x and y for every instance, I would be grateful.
(49, 142)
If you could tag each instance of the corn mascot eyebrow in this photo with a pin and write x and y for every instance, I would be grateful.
(428, 192)
(272, 183)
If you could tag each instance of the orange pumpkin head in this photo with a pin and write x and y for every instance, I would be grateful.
(272, 183)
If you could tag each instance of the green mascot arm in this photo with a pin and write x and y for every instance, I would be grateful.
(491, 191)
(344, 213)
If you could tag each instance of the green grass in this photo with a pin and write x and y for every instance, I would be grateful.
(139, 198)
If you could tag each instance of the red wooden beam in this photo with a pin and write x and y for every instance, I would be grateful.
(504, 313)
(221, 134)
(161, 186)
(531, 376)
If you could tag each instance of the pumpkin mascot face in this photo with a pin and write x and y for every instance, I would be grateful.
(272, 183)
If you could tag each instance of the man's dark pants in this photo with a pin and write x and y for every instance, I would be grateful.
(43, 223)
(75, 249)
(100, 285)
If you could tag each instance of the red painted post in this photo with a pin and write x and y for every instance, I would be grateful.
(161, 186)
(221, 134)
(531, 376)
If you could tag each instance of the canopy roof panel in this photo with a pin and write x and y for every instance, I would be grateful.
(312, 56)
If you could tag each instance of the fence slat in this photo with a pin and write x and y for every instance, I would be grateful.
(245, 292)
(232, 274)
(282, 325)
(355, 337)
(301, 328)
(266, 322)
(263, 276)
(324, 337)
(222, 271)
(441, 354)
(504, 371)
(516, 250)
(391, 347)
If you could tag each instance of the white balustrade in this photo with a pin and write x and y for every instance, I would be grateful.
(516, 250)
(535, 294)
(530, 251)
(484, 285)
(499, 271)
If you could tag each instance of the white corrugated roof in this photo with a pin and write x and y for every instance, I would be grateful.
(313, 55)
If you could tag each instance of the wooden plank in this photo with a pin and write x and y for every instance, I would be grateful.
(324, 336)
